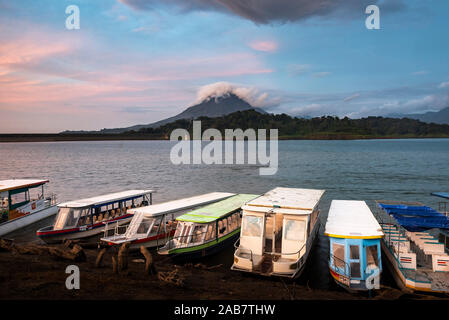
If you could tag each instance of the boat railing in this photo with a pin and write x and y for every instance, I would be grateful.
(51, 200)
(385, 219)
(184, 241)
(115, 226)
(346, 266)
(237, 247)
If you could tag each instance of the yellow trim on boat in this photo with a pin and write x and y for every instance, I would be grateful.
(352, 237)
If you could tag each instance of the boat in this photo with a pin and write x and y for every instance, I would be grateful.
(417, 259)
(207, 230)
(86, 218)
(354, 245)
(23, 202)
(153, 226)
(443, 235)
(278, 232)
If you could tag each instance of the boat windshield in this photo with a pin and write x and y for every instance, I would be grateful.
(252, 226)
(295, 230)
(145, 225)
(68, 217)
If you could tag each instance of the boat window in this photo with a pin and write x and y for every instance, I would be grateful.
(210, 232)
(179, 229)
(230, 224)
(355, 270)
(354, 252)
(372, 256)
(252, 226)
(18, 198)
(157, 222)
(198, 232)
(67, 217)
(294, 230)
(185, 234)
(338, 253)
(145, 225)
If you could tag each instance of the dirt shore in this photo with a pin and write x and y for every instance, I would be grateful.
(31, 276)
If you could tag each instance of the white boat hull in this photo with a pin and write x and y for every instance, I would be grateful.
(18, 223)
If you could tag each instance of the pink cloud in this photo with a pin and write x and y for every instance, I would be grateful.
(266, 46)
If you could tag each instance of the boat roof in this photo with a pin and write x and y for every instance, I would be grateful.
(441, 194)
(299, 201)
(276, 210)
(351, 219)
(106, 198)
(12, 184)
(180, 204)
(217, 210)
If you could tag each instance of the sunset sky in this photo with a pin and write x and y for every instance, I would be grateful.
(139, 61)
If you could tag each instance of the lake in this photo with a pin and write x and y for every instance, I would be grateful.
(368, 170)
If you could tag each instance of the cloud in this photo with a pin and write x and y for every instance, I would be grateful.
(321, 74)
(249, 94)
(444, 85)
(298, 69)
(266, 46)
(420, 73)
(269, 11)
(352, 97)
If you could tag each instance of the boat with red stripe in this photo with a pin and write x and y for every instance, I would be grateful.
(87, 219)
(154, 225)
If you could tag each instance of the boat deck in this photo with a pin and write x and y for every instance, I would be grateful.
(412, 263)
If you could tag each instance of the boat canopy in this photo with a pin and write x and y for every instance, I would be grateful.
(441, 194)
(105, 199)
(6, 185)
(217, 210)
(416, 218)
(299, 201)
(180, 204)
(351, 219)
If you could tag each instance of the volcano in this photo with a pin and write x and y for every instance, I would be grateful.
(211, 107)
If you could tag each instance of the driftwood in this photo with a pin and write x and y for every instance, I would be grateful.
(149, 265)
(6, 245)
(99, 259)
(75, 254)
(172, 277)
(114, 265)
(69, 243)
(204, 267)
(123, 257)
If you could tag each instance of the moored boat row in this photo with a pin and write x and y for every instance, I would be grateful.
(273, 233)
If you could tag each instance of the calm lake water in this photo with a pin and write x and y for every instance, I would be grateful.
(361, 170)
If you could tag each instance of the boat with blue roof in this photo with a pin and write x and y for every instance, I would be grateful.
(418, 258)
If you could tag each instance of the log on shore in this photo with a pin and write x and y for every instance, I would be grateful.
(149, 265)
(123, 257)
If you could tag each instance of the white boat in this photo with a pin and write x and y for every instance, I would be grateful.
(23, 202)
(278, 231)
(153, 226)
(354, 244)
(86, 218)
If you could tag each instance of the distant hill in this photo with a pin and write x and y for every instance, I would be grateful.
(301, 128)
(211, 108)
(440, 117)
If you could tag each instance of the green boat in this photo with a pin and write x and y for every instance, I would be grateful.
(207, 230)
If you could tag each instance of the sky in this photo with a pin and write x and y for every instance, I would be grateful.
(139, 61)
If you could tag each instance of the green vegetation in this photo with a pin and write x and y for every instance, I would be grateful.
(315, 128)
